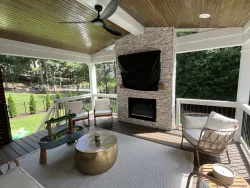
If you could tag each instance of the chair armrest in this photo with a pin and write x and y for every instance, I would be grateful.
(206, 176)
(85, 109)
(215, 141)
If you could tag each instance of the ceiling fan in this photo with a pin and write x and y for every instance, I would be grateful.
(99, 21)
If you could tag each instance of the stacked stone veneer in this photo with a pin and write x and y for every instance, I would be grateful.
(154, 38)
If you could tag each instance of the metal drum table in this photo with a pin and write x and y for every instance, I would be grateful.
(96, 152)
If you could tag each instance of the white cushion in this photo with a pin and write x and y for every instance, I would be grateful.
(195, 122)
(103, 112)
(74, 107)
(219, 122)
(102, 104)
(80, 116)
(192, 135)
(18, 178)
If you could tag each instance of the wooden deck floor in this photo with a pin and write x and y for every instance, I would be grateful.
(239, 161)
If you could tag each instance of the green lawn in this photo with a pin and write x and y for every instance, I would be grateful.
(29, 125)
(22, 100)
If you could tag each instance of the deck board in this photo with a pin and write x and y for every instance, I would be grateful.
(30, 142)
(10, 152)
(3, 156)
(18, 149)
(240, 163)
(24, 145)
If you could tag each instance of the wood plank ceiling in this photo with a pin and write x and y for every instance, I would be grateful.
(185, 13)
(37, 22)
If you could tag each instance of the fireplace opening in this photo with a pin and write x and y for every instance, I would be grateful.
(144, 109)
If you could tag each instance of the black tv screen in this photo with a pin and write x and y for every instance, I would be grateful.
(141, 71)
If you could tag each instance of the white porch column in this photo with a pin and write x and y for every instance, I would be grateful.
(93, 83)
(243, 83)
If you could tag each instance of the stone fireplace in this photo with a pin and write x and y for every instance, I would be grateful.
(160, 105)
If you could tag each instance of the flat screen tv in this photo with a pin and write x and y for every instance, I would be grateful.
(141, 71)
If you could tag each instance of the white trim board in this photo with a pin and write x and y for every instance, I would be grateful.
(103, 56)
(16, 48)
(219, 38)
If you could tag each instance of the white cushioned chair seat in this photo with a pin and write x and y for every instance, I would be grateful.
(18, 178)
(192, 135)
(103, 112)
(80, 116)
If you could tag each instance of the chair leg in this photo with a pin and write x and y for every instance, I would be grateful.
(228, 157)
(94, 120)
(182, 142)
(86, 124)
(198, 158)
(111, 120)
(88, 121)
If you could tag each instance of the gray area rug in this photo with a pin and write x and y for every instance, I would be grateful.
(140, 164)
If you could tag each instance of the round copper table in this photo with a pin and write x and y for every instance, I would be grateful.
(96, 152)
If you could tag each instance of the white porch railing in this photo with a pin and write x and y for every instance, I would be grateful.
(203, 106)
(49, 114)
(226, 108)
(245, 128)
(57, 109)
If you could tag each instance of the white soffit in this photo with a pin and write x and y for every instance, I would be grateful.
(120, 17)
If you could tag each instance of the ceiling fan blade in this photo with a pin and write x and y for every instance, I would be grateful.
(109, 10)
(76, 22)
(112, 31)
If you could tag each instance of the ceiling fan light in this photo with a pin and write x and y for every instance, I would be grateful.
(204, 16)
(98, 23)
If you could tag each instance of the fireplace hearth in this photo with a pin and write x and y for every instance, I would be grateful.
(144, 109)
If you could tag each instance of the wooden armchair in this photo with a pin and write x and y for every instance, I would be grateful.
(77, 108)
(102, 109)
(207, 134)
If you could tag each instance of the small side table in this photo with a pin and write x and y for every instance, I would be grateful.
(208, 170)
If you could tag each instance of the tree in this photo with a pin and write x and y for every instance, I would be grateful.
(58, 96)
(12, 107)
(210, 74)
(70, 94)
(106, 78)
(32, 104)
(48, 101)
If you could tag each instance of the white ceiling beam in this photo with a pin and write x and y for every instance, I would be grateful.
(103, 56)
(120, 17)
(16, 48)
(247, 32)
(220, 38)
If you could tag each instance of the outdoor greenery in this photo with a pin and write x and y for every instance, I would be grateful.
(22, 100)
(32, 104)
(12, 107)
(43, 73)
(29, 124)
(48, 101)
(106, 77)
(70, 94)
(211, 74)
